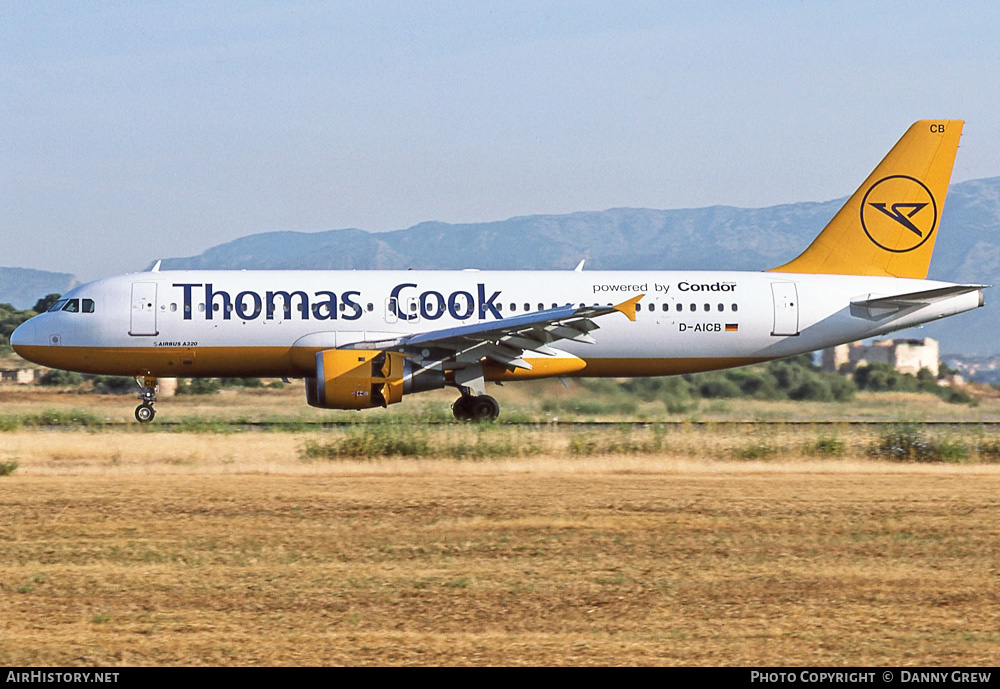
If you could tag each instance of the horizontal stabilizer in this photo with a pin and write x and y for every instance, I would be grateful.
(877, 306)
(926, 296)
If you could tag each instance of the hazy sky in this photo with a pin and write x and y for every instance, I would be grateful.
(136, 130)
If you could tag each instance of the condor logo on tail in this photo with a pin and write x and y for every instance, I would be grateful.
(897, 214)
(893, 213)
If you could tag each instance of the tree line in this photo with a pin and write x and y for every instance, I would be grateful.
(10, 318)
(796, 378)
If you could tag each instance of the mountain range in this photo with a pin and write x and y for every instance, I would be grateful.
(23, 287)
(717, 237)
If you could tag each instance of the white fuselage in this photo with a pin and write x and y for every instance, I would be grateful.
(272, 323)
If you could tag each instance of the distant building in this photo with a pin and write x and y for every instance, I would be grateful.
(168, 387)
(21, 376)
(906, 356)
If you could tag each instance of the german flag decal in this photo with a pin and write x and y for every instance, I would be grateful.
(732, 327)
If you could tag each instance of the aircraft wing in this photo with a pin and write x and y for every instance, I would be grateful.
(505, 341)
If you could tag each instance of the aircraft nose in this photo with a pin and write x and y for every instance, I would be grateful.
(23, 335)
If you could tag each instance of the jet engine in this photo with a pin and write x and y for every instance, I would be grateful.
(362, 379)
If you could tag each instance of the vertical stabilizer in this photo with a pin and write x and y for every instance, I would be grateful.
(888, 227)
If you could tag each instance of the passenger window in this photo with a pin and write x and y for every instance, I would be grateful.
(173, 307)
(694, 307)
(680, 307)
(666, 307)
(201, 307)
(215, 306)
(527, 307)
(708, 307)
(513, 308)
(734, 308)
(541, 307)
(88, 306)
(371, 307)
(721, 307)
(72, 305)
(652, 306)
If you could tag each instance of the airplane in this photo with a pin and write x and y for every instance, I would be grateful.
(367, 339)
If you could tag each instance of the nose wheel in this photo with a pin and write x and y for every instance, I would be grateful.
(476, 408)
(144, 413)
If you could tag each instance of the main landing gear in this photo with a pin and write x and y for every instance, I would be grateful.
(144, 413)
(476, 408)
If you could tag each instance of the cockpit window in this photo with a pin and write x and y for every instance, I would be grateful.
(73, 306)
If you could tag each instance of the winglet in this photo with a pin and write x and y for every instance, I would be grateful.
(628, 307)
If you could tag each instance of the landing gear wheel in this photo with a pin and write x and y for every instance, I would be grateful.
(144, 413)
(485, 408)
(480, 408)
(462, 408)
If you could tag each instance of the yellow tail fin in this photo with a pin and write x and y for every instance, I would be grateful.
(889, 225)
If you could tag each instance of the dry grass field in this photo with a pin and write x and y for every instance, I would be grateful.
(746, 545)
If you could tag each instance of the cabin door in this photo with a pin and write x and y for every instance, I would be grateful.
(143, 309)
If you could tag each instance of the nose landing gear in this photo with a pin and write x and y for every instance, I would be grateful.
(144, 413)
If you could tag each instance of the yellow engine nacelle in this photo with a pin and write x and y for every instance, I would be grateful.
(362, 379)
